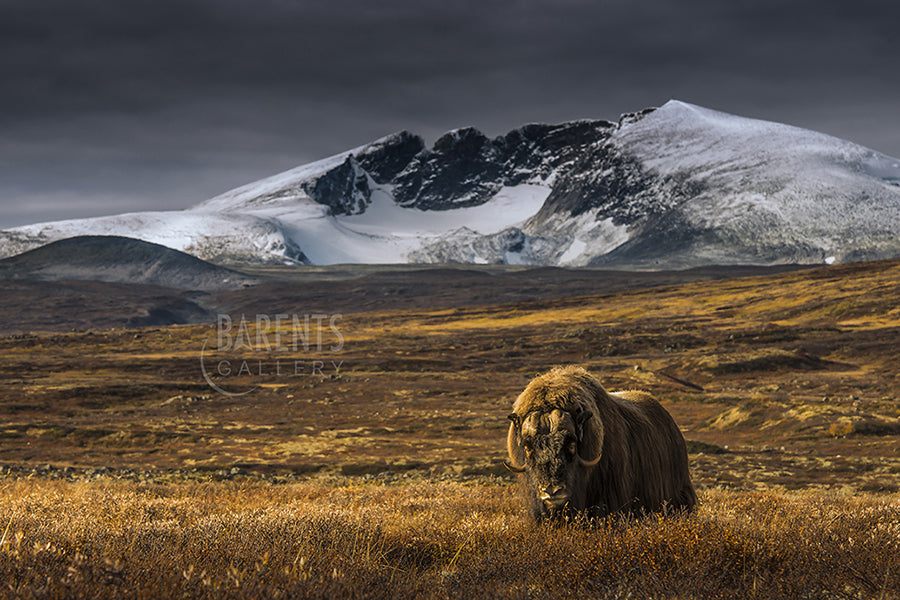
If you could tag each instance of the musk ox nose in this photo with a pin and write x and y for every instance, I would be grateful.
(554, 496)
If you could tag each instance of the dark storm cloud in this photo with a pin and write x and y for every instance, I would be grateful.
(107, 106)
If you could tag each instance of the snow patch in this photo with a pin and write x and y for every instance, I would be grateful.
(509, 207)
(208, 236)
(575, 249)
(388, 233)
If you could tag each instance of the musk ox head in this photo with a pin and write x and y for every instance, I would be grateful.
(555, 451)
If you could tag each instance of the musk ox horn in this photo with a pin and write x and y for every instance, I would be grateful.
(580, 419)
(588, 463)
(516, 424)
(583, 417)
(512, 467)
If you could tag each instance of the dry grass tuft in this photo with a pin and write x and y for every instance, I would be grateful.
(427, 540)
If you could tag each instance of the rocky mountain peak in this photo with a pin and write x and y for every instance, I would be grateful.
(384, 159)
(345, 189)
(634, 117)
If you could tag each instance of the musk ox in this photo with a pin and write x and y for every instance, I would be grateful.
(580, 448)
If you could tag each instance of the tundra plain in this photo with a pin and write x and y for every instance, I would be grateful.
(370, 465)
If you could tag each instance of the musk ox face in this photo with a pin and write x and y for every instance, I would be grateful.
(549, 445)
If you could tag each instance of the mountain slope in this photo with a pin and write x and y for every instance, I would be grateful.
(760, 190)
(119, 260)
(676, 186)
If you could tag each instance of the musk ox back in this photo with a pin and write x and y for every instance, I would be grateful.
(580, 448)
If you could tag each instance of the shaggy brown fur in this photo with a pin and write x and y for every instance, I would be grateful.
(643, 463)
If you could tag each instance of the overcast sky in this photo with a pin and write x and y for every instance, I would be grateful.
(110, 106)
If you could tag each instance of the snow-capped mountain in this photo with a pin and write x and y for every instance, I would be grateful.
(675, 186)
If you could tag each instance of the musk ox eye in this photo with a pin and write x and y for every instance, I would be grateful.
(571, 449)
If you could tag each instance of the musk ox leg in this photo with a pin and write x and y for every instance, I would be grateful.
(687, 499)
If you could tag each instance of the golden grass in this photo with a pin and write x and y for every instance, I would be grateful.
(786, 300)
(335, 539)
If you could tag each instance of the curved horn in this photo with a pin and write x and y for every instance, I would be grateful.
(588, 463)
(516, 423)
(512, 467)
(581, 419)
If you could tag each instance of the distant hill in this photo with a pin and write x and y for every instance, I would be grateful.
(117, 259)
